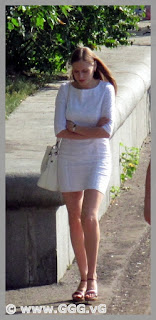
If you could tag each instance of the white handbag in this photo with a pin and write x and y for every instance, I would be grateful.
(49, 170)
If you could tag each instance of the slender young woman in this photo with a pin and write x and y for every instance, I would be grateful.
(84, 117)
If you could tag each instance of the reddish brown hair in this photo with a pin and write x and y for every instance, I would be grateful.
(102, 72)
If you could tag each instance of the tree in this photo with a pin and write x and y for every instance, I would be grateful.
(28, 34)
(41, 38)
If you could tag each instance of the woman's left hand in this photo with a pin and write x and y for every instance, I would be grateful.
(70, 125)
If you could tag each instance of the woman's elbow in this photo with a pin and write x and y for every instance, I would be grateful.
(105, 134)
(60, 134)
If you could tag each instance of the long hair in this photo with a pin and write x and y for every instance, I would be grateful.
(102, 71)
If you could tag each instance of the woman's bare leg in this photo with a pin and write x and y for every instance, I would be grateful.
(73, 201)
(91, 203)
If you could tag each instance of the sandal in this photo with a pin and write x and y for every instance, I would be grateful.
(91, 294)
(79, 295)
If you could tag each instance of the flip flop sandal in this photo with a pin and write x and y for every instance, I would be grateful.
(79, 295)
(92, 297)
(91, 294)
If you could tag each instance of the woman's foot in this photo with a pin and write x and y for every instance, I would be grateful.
(91, 292)
(79, 294)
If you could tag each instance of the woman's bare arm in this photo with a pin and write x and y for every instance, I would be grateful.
(83, 133)
(87, 132)
(66, 134)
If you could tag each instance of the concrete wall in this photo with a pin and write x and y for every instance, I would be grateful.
(38, 246)
(31, 252)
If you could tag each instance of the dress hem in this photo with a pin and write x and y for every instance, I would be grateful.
(83, 190)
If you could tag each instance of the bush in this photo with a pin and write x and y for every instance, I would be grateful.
(41, 38)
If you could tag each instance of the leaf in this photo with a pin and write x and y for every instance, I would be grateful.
(112, 189)
(10, 26)
(79, 8)
(40, 22)
(51, 21)
(23, 8)
(15, 22)
(65, 10)
(129, 173)
(121, 144)
(122, 176)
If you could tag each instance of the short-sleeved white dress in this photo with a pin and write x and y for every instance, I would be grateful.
(84, 164)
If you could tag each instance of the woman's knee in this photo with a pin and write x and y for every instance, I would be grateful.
(74, 221)
(73, 202)
(89, 218)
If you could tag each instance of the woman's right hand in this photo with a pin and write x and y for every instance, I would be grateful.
(102, 122)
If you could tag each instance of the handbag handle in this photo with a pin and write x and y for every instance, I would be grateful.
(58, 140)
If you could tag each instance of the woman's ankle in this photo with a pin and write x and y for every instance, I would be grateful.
(92, 276)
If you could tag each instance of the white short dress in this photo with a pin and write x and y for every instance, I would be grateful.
(84, 164)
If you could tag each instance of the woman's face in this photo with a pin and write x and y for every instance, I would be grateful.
(83, 73)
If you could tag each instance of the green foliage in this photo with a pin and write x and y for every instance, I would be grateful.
(43, 37)
(19, 87)
(129, 160)
(114, 192)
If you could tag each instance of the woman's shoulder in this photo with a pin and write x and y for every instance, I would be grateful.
(106, 84)
(65, 85)
(63, 88)
(107, 87)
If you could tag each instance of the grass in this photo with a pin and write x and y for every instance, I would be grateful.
(19, 87)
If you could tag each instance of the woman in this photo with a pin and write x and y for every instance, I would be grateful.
(84, 120)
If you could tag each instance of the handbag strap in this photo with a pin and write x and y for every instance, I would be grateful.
(58, 140)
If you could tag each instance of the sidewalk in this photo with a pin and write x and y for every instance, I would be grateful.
(124, 257)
